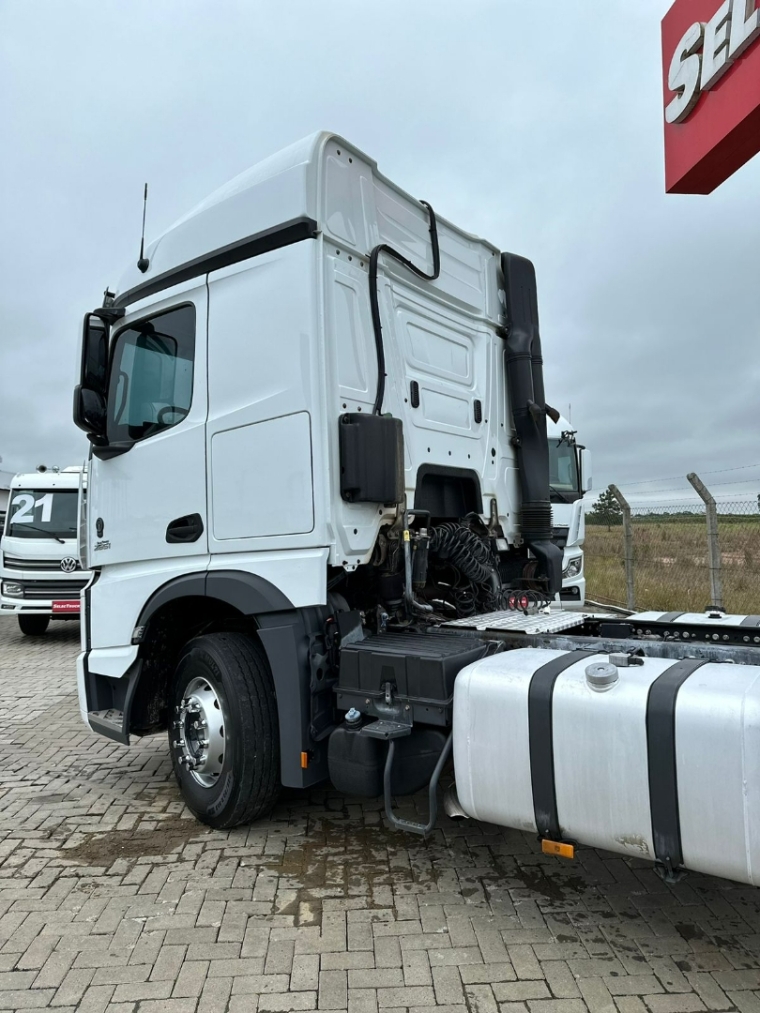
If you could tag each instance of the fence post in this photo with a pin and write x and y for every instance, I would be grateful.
(713, 546)
(630, 591)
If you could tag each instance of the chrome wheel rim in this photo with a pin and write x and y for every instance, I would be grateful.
(200, 732)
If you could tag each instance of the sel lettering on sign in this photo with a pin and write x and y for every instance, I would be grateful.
(707, 51)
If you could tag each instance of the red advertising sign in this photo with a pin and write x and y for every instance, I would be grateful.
(711, 64)
(60, 607)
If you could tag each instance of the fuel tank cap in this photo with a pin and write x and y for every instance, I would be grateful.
(601, 675)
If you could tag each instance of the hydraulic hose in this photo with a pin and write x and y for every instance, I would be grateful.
(374, 298)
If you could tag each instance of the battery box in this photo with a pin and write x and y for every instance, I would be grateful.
(420, 668)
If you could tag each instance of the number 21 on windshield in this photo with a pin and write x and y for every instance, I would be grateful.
(27, 506)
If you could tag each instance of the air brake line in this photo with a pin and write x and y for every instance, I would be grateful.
(375, 300)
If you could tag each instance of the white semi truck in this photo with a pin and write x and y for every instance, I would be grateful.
(41, 576)
(569, 479)
(320, 524)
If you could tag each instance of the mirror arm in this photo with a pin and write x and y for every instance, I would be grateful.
(108, 450)
(109, 314)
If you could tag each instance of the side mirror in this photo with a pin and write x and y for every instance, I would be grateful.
(94, 372)
(90, 395)
(90, 412)
(585, 463)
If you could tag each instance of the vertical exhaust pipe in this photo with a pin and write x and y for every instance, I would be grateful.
(525, 384)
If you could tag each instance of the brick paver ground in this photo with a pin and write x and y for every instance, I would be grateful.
(113, 898)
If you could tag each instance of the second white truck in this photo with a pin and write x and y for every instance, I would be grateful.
(41, 576)
(569, 480)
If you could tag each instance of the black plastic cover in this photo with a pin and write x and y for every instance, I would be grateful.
(525, 381)
(421, 668)
(356, 762)
(371, 458)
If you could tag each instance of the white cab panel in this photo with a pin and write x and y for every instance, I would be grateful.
(267, 453)
(261, 479)
(120, 593)
(298, 573)
(361, 208)
(441, 335)
(112, 661)
(353, 357)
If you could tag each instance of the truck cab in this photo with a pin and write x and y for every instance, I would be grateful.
(317, 416)
(328, 518)
(569, 480)
(42, 576)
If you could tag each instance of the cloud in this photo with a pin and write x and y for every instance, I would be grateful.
(540, 131)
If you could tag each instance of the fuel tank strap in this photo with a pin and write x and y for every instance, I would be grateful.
(661, 750)
(541, 737)
(750, 621)
(669, 617)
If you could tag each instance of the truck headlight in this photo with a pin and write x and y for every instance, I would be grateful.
(12, 589)
(573, 568)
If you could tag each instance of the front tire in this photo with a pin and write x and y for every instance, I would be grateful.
(33, 626)
(223, 730)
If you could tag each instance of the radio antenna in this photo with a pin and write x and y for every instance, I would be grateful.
(143, 263)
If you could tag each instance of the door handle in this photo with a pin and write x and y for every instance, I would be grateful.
(185, 529)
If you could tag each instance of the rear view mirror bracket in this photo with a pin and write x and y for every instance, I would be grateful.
(109, 314)
(105, 451)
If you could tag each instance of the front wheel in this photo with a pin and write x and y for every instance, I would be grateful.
(223, 731)
(33, 626)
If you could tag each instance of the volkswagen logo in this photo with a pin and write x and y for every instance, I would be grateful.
(68, 564)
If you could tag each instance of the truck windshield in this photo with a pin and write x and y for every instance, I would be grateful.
(42, 513)
(563, 472)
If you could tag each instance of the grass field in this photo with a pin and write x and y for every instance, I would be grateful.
(670, 557)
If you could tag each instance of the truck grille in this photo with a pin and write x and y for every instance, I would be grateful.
(15, 563)
(48, 590)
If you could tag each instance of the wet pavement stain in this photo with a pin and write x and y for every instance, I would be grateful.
(344, 857)
(538, 880)
(690, 932)
(167, 836)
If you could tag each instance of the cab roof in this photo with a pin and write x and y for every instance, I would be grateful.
(320, 185)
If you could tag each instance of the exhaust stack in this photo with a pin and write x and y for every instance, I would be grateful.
(525, 381)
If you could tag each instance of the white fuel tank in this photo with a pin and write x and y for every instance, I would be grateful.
(657, 760)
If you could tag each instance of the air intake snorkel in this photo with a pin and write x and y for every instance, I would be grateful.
(525, 382)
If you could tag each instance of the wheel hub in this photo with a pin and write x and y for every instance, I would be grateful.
(200, 732)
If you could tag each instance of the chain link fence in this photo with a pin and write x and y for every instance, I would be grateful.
(671, 562)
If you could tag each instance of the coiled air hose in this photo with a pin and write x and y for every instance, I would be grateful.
(458, 545)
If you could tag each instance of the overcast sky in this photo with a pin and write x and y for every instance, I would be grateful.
(535, 125)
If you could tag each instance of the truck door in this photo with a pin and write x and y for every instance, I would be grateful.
(148, 503)
(267, 470)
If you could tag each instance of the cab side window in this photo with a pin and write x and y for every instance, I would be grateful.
(151, 378)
